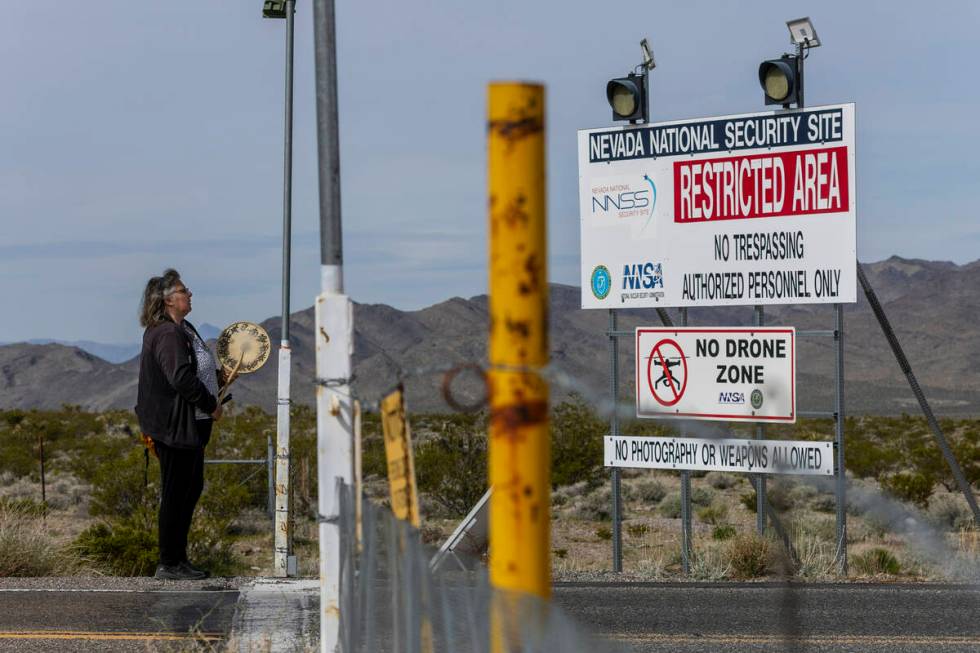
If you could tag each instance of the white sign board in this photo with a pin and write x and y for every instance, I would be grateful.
(721, 455)
(716, 373)
(748, 209)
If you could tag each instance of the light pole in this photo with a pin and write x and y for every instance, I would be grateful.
(284, 562)
(629, 100)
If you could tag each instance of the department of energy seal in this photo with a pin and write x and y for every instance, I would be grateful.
(243, 346)
(601, 282)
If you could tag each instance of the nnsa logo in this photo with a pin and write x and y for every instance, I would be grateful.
(643, 276)
(731, 398)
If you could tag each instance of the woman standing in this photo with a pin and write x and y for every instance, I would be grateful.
(176, 406)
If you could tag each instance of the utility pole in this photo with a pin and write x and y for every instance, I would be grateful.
(334, 342)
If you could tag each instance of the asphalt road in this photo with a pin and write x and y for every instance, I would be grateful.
(113, 619)
(688, 617)
(642, 617)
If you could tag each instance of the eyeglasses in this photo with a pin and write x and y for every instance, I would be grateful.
(183, 291)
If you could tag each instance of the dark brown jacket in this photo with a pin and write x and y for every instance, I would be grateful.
(169, 389)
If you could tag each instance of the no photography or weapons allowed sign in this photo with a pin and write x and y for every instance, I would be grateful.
(722, 373)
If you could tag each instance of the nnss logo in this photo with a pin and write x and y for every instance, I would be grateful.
(625, 199)
(621, 201)
(643, 276)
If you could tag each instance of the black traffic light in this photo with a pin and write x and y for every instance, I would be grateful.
(274, 9)
(780, 80)
(628, 98)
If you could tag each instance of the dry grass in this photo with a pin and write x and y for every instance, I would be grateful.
(27, 546)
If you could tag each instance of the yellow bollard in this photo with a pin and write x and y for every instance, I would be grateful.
(520, 521)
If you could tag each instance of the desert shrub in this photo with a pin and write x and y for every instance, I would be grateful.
(603, 533)
(876, 524)
(824, 503)
(865, 459)
(709, 562)
(637, 530)
(118, 484)
(747, 499)
(949, 512)
(373, 461)
(877, 561)
(21, 508)
(576, 443)
(816, 556)
(225, 498)
(596, 506)
(723, 532)
(914, 487)
(702, 496)
(451, 466)
(121, 547)
(822, 527)
(650, 491)
(713, 514)
(18, 456)
(670, 507)
(26, 547)
(749, 555)
(780, 496)
(721, 481)
(801, 494)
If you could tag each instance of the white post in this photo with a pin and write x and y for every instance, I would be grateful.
(334, 422)
(283, 539)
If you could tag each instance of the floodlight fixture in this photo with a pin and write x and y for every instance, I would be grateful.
(648, 61)
(274, 9)
(801, 32)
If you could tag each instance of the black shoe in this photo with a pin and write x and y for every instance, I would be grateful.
(187, 566)
(176, 572)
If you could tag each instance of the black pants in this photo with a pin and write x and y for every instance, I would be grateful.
(182, 480)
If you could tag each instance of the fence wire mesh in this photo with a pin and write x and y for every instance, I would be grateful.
(393, 601)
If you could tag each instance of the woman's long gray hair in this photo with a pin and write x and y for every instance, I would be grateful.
(153, 311)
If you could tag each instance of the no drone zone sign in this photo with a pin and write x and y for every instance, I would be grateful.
(720, 373)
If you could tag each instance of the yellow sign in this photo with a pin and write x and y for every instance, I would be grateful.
(401, 461)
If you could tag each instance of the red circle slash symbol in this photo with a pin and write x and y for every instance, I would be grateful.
(667, 359)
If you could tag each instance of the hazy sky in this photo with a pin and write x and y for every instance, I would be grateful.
(140, 135)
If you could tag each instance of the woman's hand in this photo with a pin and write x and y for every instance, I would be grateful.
(218, 412)
(225, 378)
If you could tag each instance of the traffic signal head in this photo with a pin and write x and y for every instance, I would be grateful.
(780, 80)
(628, 98)
(274, 9)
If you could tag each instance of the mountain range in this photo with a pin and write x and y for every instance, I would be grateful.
(113, 352)
(932, 305)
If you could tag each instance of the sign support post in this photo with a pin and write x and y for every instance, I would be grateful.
(685, 501)
(617, 511)
(760, 434)
(841, 484)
